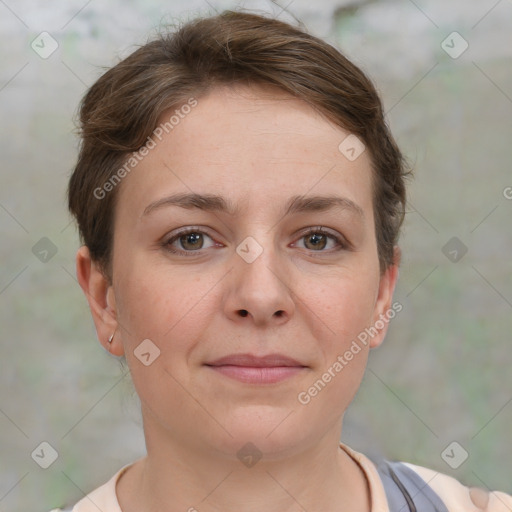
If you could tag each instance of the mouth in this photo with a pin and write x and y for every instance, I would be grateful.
(250, 369)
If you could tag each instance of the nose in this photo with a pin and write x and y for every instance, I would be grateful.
(260, 291)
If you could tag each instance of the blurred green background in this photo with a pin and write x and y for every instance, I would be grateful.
(443, 374)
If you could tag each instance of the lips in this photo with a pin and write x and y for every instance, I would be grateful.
(251, 369)
(268, 361)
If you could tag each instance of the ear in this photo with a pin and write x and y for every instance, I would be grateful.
(100, 296)
(384, 309)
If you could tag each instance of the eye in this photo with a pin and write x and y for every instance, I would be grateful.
(189, 241)
(318, 238)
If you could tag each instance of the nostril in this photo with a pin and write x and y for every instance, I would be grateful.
(279, 313)
(243, 312)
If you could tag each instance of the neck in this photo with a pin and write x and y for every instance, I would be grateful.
(176, 477)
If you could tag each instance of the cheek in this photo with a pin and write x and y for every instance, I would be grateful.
(342, 306)
(163, 304)
(339, 314)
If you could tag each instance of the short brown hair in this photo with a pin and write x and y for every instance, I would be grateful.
(121, 110)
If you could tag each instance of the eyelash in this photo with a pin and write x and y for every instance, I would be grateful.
(166, 244)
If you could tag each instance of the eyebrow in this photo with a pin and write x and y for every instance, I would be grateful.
(216, 203)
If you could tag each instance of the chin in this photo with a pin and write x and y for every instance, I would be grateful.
(274, 431)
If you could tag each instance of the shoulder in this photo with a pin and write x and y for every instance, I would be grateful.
(417, 489)
(103, 498)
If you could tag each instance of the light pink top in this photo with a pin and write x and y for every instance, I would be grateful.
(455, 496)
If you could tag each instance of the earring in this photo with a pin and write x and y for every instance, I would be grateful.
(111, 337)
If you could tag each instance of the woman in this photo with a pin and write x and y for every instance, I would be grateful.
(239, 197)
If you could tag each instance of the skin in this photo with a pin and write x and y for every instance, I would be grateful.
(257, 147)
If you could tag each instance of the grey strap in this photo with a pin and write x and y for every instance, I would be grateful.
(406, 491)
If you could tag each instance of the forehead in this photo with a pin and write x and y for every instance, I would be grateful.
(251, 144)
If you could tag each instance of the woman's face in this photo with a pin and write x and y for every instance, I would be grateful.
(268, 270)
